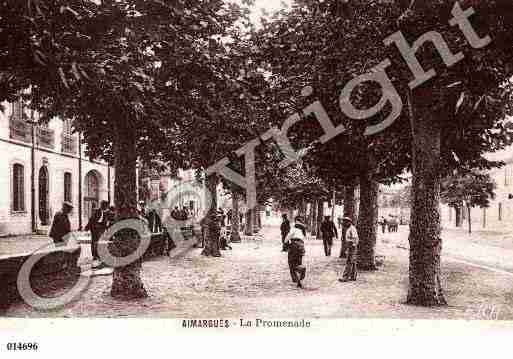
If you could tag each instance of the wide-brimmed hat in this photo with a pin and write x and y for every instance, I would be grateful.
(347, 219)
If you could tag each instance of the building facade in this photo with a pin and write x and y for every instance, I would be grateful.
(499, 215)
(42, 166)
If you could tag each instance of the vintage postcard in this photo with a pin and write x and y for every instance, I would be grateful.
(262, 168)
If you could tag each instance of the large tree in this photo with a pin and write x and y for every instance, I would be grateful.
(131, 74)
(455, 117)
(468, 189)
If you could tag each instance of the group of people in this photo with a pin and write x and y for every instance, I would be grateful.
(100, 220)
(180, 214)
(293, 242)
(220, 229)
(391, 224)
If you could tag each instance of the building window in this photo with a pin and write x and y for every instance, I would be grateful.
(69, 142)
(92, 193)
(67, 187)
(18, 188)
(17, 110)
(66, 128)
(19, 129)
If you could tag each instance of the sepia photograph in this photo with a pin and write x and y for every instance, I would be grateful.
(196, 167)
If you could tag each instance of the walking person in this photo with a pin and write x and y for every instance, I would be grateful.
(61, 225)
(328, 232)
(350, 271)
(295, 240)
(229, 215)
(97, 225)
(383, 224)
(284, 229)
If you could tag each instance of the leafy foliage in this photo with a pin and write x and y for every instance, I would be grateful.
(470, 189)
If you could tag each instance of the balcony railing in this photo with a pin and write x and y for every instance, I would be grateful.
(45, 137)
(19, 130)
(69, 144)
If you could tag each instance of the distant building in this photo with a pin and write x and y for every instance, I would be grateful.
(177, 188)
(393, 201)
(499, 216)
(42, 166)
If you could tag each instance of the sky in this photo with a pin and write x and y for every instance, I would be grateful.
(268, 5)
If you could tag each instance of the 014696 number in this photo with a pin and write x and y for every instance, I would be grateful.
(22, 346)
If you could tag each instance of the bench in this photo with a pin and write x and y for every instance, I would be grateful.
(56, 264)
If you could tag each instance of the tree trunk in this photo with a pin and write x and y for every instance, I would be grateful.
(248, 228)
(320, 215)
(459, 220)
(469, 220)
(126, 280)
(313, 218)
(302, 210)
(235, 236)
(425, 287)
(349, 201)
(259, 217)
(211, 232)
(256, 214)
(290, 213)
(367, 222)
(333, 204)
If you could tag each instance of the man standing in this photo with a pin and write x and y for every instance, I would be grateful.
(285, 229)
(295, 240)
(328, 232)
(97, 225)
(61, 225)
(350, 272)
(229, 215)
(383, 224)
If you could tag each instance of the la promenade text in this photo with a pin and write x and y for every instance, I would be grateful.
(245, 323)
(261, 323)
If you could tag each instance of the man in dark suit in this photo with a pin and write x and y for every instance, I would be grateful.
(328, 232)
(61, 225)
(97, 225)
(284, 229)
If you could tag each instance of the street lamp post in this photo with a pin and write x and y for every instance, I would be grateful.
(32, 174)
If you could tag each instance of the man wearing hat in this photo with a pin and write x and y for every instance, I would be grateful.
(295, 240)
(328, 232)
(350, 272)
(97, 225)
(61, 225)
